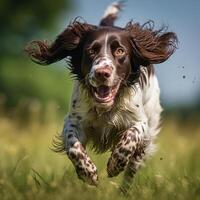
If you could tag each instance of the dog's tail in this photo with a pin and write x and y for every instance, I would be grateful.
(111, 13)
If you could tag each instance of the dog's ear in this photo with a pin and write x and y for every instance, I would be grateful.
(68, 43)
(151, 46)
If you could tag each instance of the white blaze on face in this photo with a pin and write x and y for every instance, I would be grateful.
(106, 47)
(103, 61)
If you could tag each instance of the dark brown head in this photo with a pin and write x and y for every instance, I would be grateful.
(106, 58)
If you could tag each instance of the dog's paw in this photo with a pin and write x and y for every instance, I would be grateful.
(87, 172)
(85, 169)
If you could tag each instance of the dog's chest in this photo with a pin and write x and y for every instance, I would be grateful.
(100, 131)
(98, 125)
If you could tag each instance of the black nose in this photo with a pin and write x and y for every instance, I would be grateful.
(103, 73)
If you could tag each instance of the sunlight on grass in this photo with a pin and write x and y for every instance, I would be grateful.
(30, 170)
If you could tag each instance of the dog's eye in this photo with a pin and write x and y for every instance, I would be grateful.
(91, 51)
(119, 52)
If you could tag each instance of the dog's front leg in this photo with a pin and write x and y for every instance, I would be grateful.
(73, 141)
(125, 148)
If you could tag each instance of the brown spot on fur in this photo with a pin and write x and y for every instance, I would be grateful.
(74, 103)
(133, 137)
(81, 156)
(142, 128)
(72, 155)
(73, 125)
(127, 142)
(70, 136)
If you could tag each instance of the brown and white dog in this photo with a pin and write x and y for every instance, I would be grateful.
(115, 102)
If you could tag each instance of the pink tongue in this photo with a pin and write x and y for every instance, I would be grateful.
(103, 91)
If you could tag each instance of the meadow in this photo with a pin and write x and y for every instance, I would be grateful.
(29, 169)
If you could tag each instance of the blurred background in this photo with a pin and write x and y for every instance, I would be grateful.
(26, 87)
(34, 100)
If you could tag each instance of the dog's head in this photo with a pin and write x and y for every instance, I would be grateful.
(106, 63)
(106, 58)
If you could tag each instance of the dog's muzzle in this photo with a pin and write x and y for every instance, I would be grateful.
(103, 84)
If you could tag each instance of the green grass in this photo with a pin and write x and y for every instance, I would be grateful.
(30, 170)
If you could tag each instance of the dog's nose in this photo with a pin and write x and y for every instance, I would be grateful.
(103, 73)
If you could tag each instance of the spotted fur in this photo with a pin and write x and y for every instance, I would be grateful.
(121, 155)
(137, 111)
(115, 103)
(85, 169)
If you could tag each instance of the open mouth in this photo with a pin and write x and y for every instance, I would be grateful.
(105, 94)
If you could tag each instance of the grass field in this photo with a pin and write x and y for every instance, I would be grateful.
(30, 170)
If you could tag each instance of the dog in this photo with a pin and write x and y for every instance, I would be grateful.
(116, 97)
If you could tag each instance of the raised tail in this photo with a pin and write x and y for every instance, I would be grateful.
(111, 13)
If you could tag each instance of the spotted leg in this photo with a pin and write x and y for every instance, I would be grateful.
(143, 151)
(134, 164)
(124, 150)
(85, 169)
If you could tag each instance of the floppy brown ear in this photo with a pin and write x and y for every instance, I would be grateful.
(68, 43)
(151, 46)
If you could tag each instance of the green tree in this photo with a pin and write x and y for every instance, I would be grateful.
(21, 19)
(20, 79)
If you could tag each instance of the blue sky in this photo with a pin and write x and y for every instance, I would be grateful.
(182, 17)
